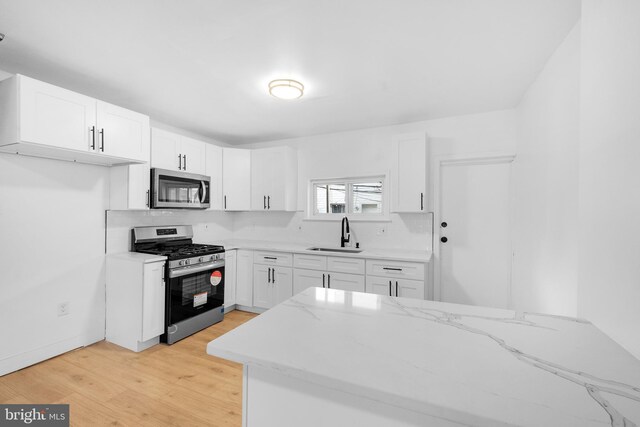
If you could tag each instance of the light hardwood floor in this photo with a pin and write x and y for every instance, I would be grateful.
(178, 385)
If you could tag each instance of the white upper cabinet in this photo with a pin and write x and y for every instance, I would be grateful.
(176, 152)
(213, 168)
(409, 173)
(236, 179)
(121, 132)
(43, 120)
(274, 179)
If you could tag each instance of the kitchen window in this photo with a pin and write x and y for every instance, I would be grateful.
(358, 198)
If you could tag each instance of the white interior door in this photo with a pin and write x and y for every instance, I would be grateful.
(473, 229)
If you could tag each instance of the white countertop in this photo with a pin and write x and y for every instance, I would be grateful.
(137, 256)
(303, 248)
(474, 365)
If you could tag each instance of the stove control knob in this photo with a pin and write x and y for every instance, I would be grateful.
(212, 257)
(187, 262)
(181, 263)
(201, 259)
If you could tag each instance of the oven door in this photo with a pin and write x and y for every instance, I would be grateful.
(194, 290)
(171, 189)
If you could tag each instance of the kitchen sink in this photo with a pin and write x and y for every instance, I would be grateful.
(341, 250)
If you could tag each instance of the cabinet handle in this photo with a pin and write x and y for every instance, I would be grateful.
(328, 281)
(391, 268)
(179, 162)
(389, 287)
(225, 202)
(323, 280)
(396, 288)
(421, 201)
(148, 198)
(102, 139)
(273, 276)
(93, 137)
(264, 202)
(270, 257)
(268, 202)
(269, 275)
(184, 156)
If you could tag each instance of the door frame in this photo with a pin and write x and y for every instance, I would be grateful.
(470, 159)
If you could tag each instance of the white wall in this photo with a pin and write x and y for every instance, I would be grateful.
(51, 251)
(609, 234)
(545, 265)
(366, 152)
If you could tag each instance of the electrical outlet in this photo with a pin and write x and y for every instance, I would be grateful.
(63, 308)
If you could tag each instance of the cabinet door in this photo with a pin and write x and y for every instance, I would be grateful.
(153, 293)
(346, 282)
(139, 181)
(122, 133)
(409, 173)
(193, 155)
(244, 277)
(303, 279)
(262, 287)
(236, 179)
(409, 288)
(380, 286)
(260, 179)
(277, 192)
(230, 278)
(213, 168)
(54, 116)
(282, 284)
(165, 150)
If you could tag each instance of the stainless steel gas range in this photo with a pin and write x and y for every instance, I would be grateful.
(195, 278)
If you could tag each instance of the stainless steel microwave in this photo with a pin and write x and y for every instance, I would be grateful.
(179, 190)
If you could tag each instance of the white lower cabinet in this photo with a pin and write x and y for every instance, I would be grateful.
(396, 278)
(230, 266)
(135, 300)
(326, 272)
(271, 285)
(244, 277)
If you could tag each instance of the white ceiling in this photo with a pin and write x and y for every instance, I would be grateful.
(204, 65)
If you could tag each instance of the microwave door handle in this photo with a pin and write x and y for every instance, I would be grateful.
(204, 191)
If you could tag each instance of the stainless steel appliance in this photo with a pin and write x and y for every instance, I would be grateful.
(182, 190)
(195, 278)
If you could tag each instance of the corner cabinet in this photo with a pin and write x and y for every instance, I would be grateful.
(135, 300)
(176, 152)
(236, 179)
(42, 120)
(409, 173)
(274, 179)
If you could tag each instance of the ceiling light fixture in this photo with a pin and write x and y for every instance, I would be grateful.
(286, 89)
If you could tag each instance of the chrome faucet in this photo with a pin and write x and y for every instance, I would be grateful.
(343, 240)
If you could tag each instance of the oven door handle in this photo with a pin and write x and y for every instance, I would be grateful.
(185, 271)
(204, 192)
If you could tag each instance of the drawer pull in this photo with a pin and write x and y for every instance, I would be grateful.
(392, 268)
(270, 257)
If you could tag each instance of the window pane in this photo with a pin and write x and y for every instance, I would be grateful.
(330, 198)
(367, 197)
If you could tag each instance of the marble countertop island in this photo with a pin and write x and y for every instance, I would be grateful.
(462, 364)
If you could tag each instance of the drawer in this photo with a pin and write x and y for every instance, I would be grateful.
(345, 265)
(345, 282)
(311, 262)
(283, 259)
(399, 269)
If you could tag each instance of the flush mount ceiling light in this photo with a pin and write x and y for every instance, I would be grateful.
(286, 89)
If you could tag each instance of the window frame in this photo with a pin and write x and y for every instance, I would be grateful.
(348, 183)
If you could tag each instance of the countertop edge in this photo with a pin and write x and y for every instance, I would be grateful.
(373, 394)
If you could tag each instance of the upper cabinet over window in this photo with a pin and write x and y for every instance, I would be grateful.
(409, 172)
(274, 179)
(176, 152)
(43, 120)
